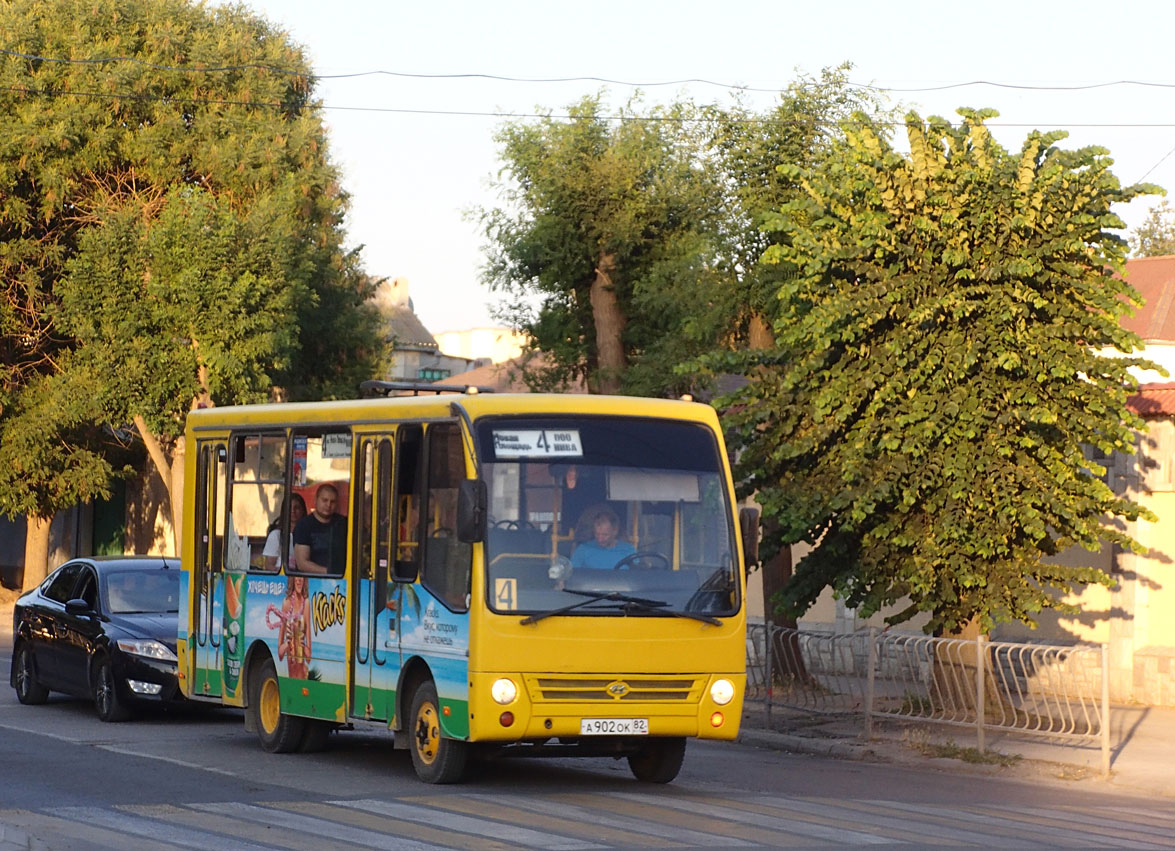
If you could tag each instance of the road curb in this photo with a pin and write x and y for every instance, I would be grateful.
(807, 745)
(15, 839)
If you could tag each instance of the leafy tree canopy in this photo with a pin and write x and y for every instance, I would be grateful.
(1156, 235)
(661, 207)
(180, 229)
(935, 378)
(596, 213)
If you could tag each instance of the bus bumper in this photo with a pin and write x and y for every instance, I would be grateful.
(557, 705)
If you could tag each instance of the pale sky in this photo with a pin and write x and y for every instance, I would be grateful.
(411, 175)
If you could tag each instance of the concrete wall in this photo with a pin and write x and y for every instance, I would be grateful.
(497, 344)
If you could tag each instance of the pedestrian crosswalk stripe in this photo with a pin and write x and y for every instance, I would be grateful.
(1090, 827)
(479, 826)
(1069, 830)
(638, 827)
(1167, 818)
(39, 825)
(833, 828)
(585, 821)
(514, 814)
(316, 826)
(394, 827)
(834, 809)
(722, 826)
(172, 835)
(236, 828)
(829, 829)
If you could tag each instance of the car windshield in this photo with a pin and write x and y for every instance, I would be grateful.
(142, 591)
(607, 516)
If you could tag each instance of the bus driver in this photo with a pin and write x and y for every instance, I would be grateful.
(605, 550)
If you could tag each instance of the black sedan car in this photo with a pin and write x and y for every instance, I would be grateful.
(100, 628)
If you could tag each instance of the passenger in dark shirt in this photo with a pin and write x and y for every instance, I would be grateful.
(320, 538)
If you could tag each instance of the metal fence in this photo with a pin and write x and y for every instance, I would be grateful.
(1060, 692)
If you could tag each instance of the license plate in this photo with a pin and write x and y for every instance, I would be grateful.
(614, 726)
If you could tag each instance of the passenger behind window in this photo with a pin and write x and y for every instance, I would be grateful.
(320, 539)
(296, 506)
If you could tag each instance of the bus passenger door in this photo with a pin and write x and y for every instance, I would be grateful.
(376, 652)
(205, 631)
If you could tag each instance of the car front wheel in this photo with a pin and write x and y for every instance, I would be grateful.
(28, 690)
(106, 700)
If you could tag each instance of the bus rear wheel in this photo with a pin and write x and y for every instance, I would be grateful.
(658, 760)
(278, 732)
(435, 758)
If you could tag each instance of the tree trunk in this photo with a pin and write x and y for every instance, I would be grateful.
(788, 660)
(177, 492)
(760, 334)
(953, 690)
(163, 466)
(36, 551)
(609, 322)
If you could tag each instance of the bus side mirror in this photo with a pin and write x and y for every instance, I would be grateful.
(748, 524)
(471, 511)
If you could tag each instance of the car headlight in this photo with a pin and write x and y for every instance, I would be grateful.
(503, 691)
(722, 692)
(147, 649)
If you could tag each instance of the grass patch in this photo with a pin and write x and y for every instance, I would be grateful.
(919, 740)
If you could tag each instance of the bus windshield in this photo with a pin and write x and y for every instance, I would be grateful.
(606, 516)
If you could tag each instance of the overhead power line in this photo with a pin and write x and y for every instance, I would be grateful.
(498, 114)
(203, 69)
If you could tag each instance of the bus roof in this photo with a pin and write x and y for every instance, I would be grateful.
(475, 406)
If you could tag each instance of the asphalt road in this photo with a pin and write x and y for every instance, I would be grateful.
(195, 778)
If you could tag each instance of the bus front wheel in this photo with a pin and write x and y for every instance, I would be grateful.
(435, 758)
(658, 760)
(278, 732)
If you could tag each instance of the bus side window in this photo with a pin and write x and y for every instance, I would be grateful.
(257, 498)
(446, 567)
(409, 484)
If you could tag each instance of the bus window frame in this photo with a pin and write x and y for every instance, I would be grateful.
(235, 448)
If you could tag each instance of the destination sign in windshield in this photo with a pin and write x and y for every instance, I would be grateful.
(537, 443)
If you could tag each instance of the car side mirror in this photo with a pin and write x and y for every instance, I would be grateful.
(78, 607)
(472, 500)
(748, 523)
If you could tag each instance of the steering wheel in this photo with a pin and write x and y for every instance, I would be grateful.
(652, 555)
(514, 524)
(442, 532)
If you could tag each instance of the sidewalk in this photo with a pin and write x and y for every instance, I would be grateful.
(1142, 747)
(1142, 744)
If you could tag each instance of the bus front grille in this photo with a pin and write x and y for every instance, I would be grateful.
(613, 689)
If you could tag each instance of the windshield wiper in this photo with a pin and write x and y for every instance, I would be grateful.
(625, 601)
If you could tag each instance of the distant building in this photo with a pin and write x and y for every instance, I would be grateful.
(488, 345)
(415, 353)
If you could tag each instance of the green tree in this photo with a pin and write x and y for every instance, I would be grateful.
(1156, 235)
(923, 415)
(748, 149)
(628, 247)
(598, 213)
(182, 139)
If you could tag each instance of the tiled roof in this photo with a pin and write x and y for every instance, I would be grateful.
(504, 377)
(1153, 400)
(405, 329)
(1154, 278)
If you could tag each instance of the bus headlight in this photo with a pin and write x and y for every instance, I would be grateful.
(503, 691)
(722, 692)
